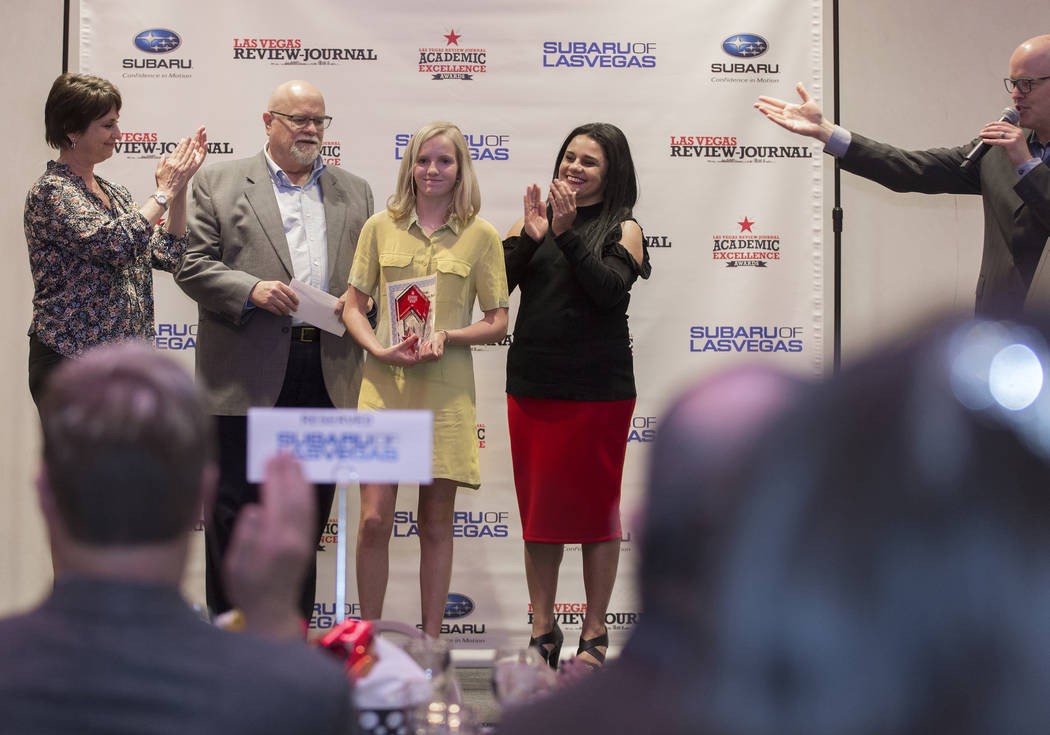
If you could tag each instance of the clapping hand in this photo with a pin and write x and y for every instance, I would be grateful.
(176, 169)
(563, 206)
(535, 222)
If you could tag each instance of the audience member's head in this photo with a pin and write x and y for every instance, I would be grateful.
(704, 434)
(891, 572)
(126, 447)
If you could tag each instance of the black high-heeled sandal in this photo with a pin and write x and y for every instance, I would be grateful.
(590, 647)
(554, 639)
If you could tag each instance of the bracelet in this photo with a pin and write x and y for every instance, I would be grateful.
(446, 334)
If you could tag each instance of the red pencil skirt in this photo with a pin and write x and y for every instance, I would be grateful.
(568, 466)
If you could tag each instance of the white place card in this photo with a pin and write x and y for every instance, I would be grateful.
(341, 445)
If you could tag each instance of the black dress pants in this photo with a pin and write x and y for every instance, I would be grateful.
(303, 388)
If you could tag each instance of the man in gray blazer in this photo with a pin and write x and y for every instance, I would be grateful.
(114, 648)
(1013, 178)
(257, 223)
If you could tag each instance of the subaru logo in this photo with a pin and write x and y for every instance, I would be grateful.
(458, 606)
(157, 41)
(745, 45)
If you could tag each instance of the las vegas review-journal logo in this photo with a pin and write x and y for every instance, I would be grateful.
(571, 614)
(746, 248)
(483, 146)
(154, 45)
(729, 149)
(453, 61)
(147, 144)
(745, 338)
(656, 241)
(744, 48)
(294, 52)
(599, 54)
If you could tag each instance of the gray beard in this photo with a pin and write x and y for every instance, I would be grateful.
(304, 153)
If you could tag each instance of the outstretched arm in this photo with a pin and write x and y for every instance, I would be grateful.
(803, 119)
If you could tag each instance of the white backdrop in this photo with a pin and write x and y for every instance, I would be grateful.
(736, 267)
(904, 79)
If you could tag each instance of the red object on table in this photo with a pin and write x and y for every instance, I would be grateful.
(351, 641)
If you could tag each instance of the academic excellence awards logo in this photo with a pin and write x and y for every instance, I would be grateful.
(332, 153)
(297, 52)
(746, 248)
(454, 60)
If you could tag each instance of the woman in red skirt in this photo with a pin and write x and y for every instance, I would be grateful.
(570, 374)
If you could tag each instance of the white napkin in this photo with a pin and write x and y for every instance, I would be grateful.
(395, 681)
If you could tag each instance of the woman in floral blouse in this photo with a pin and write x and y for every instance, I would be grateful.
(91, 246)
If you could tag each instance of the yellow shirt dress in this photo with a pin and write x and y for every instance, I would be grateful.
(468, 262)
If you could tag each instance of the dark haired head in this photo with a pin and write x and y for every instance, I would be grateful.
(75, 101)
(621, 183)
(706, 432)
(126, 441)
(891, 573)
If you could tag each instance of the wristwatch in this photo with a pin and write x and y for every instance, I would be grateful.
(162, 199)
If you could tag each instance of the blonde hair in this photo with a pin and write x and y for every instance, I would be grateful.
(466, 196)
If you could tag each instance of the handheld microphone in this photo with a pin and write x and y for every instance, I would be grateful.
(1011, 116)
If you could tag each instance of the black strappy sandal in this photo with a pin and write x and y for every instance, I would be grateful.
(590, 647)
(554, 639)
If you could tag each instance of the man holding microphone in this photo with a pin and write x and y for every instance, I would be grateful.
(1013, 179)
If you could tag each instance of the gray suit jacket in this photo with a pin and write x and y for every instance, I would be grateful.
(1016, 213)
(237, 239)
(109, 658)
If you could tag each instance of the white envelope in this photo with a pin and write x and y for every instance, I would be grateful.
(317, 308)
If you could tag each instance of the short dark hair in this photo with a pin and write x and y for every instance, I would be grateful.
(126, 439)
(890, 572)
(74, 102)
(621, 182)
(702, 438)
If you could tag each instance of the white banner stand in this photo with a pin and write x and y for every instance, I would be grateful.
(343, 446)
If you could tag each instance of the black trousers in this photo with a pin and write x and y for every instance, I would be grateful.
(42, 362)
(303, 388)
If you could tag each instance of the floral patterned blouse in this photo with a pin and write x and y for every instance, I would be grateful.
(92, 266)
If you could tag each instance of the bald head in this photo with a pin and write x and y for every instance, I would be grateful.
(1039, 45)
(290, 92)
(1031, 60)
(294, 145)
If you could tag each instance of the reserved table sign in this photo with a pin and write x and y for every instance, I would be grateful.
(341, 446)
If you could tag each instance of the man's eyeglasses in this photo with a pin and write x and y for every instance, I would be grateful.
(1025, 85)
(300, 121)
